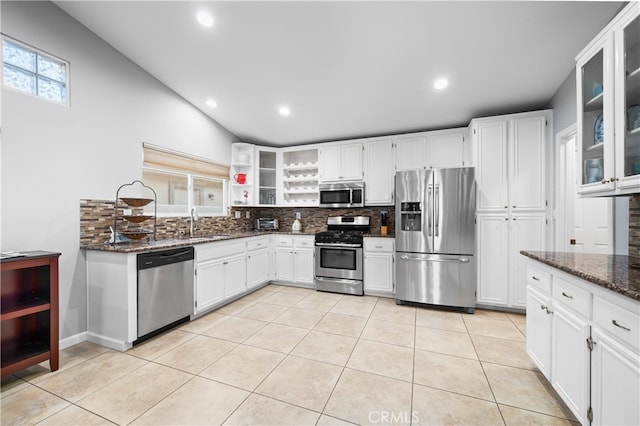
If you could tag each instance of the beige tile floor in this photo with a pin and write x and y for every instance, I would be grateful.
(292, 356)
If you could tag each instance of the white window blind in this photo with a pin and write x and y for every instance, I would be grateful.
(183, 182)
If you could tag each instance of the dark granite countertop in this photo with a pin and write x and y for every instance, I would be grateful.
(143, 245)
(615, 272)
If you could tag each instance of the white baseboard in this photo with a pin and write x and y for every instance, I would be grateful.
(72, 340)
(108, 342)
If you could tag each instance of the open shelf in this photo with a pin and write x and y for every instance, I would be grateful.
(29, 315)
(24, 307)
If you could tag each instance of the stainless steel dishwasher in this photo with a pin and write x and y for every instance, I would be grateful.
(165, 289)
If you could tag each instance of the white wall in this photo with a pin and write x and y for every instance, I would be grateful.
(53, 156)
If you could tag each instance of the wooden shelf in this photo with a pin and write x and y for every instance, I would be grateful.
(29, 316)
(23, 308)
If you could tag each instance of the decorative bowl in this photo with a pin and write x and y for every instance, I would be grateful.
(135, 235)
(136, 202)
(137, 218)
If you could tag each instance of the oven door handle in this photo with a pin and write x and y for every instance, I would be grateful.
(349, 245)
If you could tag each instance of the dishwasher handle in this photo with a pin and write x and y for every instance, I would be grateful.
(156, 259)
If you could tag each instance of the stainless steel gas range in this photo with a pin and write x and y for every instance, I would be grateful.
(339, 258)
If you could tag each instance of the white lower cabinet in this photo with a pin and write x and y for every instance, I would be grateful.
(379, 266)
(294, 256)
(539, 330)
(585, 339)
(570, 360)
(615, 382)
(220, 273)
(209, 284)
(501, 269)
(257, 262)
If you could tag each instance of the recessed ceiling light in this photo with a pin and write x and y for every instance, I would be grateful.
(205, 19)
(211, 103)
(284, 110)
(440, 83)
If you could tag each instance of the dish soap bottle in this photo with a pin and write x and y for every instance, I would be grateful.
(297, 226)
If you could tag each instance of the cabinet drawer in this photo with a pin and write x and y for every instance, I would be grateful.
(206, 252)
(304, 242)
(539, 278)
(617, 322)
(378, 245)
(283, 242)
(573, 297)
(258, 244)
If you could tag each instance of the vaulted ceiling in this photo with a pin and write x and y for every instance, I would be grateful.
(350, 69)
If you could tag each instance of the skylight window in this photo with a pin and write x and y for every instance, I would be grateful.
(30, 71)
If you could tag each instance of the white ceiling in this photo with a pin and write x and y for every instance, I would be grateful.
(350, 69)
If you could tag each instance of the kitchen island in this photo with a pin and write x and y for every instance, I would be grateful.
(583, 331)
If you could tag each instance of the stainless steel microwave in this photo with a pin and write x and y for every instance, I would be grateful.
(344, 194)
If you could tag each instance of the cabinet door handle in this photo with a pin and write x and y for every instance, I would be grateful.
(620, 326)
(542, 307)
(548, 311)
(603, 181)
(225, 263)
(535, 278)
(379, 247)
(567, 295)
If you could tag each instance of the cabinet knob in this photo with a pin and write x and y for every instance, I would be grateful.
(513, 207)
(506, 207)
(506, 218)
(514, 218)
(613, 179)
(604, 181)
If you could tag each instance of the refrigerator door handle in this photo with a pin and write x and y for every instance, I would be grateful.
(429, 211)
(436, 210)
(422, 259)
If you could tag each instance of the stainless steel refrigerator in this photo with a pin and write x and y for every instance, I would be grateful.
(435, 237)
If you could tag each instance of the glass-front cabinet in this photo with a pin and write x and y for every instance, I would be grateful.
(627, 40)
(608, 98)
(595, 117)
(267, 176)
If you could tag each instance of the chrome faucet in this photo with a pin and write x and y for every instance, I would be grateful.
(192, 222)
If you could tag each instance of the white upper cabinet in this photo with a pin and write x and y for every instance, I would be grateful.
(341, 161)
(446, 149)
(509, 154)
(608, 102)
(527, 171)
(490, 153)
(441, 149)
(411, 152)
(379, 169)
